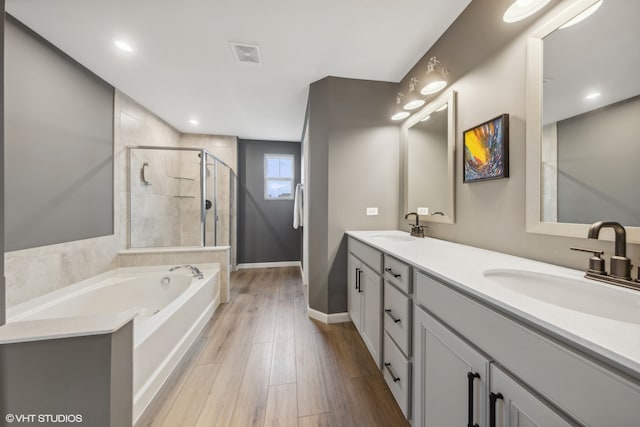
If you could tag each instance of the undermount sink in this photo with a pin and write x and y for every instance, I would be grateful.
(591, 298)
(393, 237)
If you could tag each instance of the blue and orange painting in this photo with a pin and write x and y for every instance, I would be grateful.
(486, 150)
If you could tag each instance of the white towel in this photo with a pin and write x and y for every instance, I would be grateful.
(298, 212)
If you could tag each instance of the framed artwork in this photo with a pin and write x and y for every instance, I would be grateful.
(486, 150)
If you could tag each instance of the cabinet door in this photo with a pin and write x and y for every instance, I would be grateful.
(450, 377)
(354, 301)
(371, 287)
(511, 405)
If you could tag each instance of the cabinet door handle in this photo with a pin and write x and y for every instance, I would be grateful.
(471, 376)
(493, 397)
(357, 279)
(360, 280)
(390, 271)
(390, 314)
(394, 377)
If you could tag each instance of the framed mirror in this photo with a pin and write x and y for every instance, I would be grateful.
(583, 119)
(428, 138)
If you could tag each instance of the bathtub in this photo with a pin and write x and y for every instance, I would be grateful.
(171, 308)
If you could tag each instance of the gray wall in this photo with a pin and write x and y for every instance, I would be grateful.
(353, 163)
(90, 376)
(265, 227)
(491, 214)
(59, 145)
(2, 281)
(598, 171)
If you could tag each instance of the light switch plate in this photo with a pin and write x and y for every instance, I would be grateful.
(372, 211)
(423, 211)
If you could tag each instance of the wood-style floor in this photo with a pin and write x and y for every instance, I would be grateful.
(262, 362)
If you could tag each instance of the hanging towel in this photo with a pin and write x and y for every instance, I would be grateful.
(298, 212)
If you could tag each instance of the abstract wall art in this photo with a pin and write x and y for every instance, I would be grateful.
(486, 150)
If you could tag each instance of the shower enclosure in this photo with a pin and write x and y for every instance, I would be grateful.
(180, 196)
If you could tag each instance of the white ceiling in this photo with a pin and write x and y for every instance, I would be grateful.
(183, 66)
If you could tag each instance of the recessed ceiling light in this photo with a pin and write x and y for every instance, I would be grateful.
(193, 122)
(592, 95)
(123, 45)
(521, 9)
(425, 119)
(442, 108)
(582, 16)
(401, 115)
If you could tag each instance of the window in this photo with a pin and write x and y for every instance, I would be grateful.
(278, 176)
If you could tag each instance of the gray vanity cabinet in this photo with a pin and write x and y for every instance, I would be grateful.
(364, 296)
(397, 351)
(512, 405)
(450, 377)
(580, 388)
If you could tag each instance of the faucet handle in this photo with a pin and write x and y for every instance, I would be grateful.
(596, 264)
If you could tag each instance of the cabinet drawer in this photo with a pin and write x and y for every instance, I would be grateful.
(397, 318)
(397, 373)
(398, 273)
(370, 256)
(586, 390)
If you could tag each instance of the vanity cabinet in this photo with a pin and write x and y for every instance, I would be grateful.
(582, 389)
(396, 360)
(512, 405)
(364, 296)
(450, 377)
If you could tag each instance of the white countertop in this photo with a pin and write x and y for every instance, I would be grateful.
(613, 341)
(64, 327)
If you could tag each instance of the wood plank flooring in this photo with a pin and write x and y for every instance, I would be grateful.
(260, 361)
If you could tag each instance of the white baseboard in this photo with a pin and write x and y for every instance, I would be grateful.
(328, 318)
(268, 264)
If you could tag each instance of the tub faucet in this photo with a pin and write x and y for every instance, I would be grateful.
(194, 270)
(416, 230)
(620, 264)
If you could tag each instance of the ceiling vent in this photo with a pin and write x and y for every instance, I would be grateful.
(246, 53)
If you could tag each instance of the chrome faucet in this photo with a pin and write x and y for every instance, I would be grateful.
(620, 264)
(417, 230)
(194, 270)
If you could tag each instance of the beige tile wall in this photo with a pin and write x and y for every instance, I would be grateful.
(37, 271)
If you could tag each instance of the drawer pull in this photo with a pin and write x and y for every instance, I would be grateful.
(390, 271)
(493, 397)
(394, 377)
(390, 314)
(471, 376)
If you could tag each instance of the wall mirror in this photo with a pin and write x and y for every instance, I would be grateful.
(428, 138)
(583, 119)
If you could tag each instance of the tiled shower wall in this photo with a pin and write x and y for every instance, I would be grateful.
(37, 271)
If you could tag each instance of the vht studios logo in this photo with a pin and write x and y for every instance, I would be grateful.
(43, 418)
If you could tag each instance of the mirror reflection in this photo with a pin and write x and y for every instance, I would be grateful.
(429, 163)
(591, 117)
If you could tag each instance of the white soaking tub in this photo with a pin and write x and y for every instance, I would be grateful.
(171, 308)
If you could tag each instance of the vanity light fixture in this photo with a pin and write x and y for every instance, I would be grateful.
(592, 95)
(581, 17)
(398, 112)
(521, 9)
(434, 81)
(426, 118)
(413, 98)
(123, 45)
